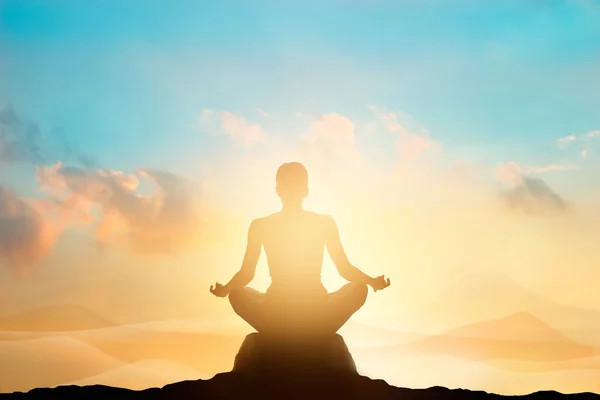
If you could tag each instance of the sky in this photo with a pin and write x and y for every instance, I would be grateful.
(445, 137)
(455, 143)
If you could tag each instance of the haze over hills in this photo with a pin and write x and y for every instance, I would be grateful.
(209, 353)
(424, 371)
(520, 336)
(520, 326)
(326, 370)
(160, 352)
(485, 295)
(59, 317)
(358, 334)
(50, 361)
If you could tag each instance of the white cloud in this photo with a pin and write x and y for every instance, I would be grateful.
(583, 140)
(564, 141)
(551, 168)
(567, 139)
(593, 134)
(206, 115)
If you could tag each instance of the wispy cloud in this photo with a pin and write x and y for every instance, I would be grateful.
(330, 143)
(20, 140)
(413, 139)
(550, 168)
(565, 141)
(237, 127)
(582, 141)
(331, 133)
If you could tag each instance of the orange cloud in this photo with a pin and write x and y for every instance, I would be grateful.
(166, 221)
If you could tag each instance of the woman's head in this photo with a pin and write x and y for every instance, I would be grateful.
(292, 181)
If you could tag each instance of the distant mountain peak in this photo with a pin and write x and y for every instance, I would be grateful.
(55, 317)
(522, 326)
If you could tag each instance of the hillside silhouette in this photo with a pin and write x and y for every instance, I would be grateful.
(265, 369)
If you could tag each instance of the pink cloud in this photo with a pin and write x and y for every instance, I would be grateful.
(162, 222)
(509, 173)
(240, 129)
(330, 143)
(331, 132)
(412, 142)
(237, 127)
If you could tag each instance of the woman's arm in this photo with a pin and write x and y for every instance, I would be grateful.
(246, 273)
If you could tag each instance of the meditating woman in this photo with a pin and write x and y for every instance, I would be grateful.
(294, 239)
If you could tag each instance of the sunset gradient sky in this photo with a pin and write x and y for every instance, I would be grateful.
(446, 138)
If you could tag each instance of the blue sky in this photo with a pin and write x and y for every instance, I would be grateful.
(493, 83)
(126, 80)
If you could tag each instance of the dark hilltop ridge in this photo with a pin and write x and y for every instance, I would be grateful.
(268, 369)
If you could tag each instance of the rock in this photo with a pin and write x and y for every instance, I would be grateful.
(263, 355)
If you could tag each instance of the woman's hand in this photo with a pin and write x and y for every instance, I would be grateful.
(218, 290)
(379, 283)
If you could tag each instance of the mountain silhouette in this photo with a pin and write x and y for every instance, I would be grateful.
(54, 318)
(521, 326)
(265, 369)
(486, 295)
(520, 336)
(142, 374)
